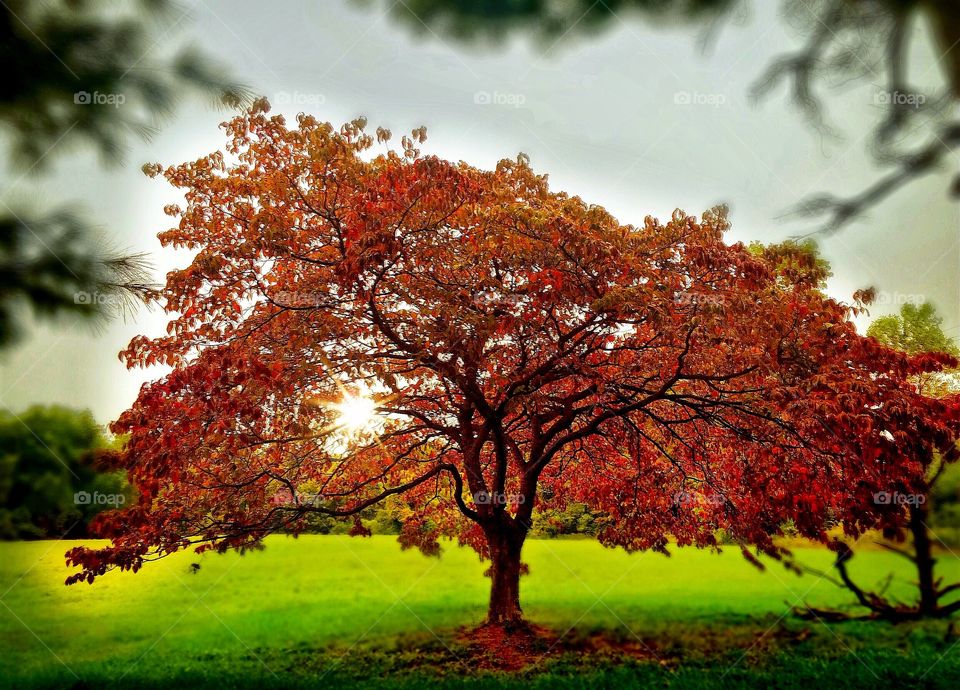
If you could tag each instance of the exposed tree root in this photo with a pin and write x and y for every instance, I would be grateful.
(880, 607)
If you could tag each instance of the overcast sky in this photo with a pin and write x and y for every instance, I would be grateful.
(637, 119)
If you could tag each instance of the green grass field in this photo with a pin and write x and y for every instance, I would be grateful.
(321, 611)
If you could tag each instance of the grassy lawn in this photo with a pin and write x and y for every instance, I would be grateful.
(329, 610)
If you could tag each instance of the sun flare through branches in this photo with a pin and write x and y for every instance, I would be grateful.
(357, 416)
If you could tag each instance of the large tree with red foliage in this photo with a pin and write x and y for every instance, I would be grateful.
(522, 349)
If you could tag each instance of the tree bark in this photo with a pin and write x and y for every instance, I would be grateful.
(505, 546)
(923, 557)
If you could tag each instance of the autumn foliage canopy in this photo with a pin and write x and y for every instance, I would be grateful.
(523, 349)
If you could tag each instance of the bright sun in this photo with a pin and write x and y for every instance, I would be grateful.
(356, 414)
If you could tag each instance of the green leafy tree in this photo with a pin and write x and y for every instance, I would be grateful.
(49, 483)
(796, 260)
(916, 329)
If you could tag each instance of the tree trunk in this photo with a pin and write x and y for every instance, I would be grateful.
(505, 547)
(946, 28)
(924, 560)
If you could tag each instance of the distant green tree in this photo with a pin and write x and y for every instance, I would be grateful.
(575, 518)
(799, 261)
(49, 484)
(917, 328)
